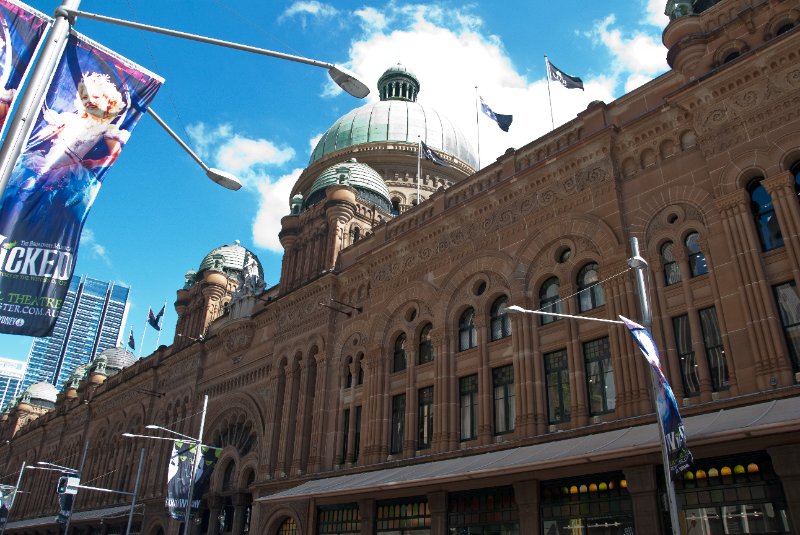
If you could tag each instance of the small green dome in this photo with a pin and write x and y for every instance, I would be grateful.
(42, 394)
(368, 184)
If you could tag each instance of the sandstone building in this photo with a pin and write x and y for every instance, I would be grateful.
(381, 387)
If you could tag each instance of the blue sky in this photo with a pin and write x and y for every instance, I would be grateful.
(157, 215)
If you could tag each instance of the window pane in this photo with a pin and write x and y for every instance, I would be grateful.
(500, 323)
(425, 345)
(767, 225)
(688, 363)
(504, 410)
(599, 376)
(789, 307)
(697, 260)
(557, 384)
(398, 419)
(425, 418)
(399, 361)
(715, 352)
(467, 335)
(468, 389)
(590, 292)
(549, 300)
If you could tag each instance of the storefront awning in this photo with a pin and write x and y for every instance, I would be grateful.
(77, 516)
(751, 420)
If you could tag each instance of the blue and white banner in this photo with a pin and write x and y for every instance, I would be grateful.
(680, 458)
(21, 31)
(93, 102)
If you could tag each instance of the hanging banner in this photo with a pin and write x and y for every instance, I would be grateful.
(6, 499)
(93, 102)
(680, 458)
(179, 475)
(22, 29)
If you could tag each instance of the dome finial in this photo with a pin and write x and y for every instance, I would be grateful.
(398, 83)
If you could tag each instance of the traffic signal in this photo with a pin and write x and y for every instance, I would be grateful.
(68, 485)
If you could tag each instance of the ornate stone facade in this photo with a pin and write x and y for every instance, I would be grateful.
(382, 370)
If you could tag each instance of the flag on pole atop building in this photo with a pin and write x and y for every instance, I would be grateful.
(155, 320)
(94, 100)
(680, 458)
(131, 342)
(557, 75)
(503, 121)
(21, 31)
(427, 154)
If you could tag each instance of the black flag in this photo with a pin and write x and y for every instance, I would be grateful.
(155, 320)
(131, 342)
(427, 154)
(557, 75)
(503, 121)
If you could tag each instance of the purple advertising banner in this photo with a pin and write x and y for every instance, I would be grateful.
(680, 458)
(22, 29)
(93, 103)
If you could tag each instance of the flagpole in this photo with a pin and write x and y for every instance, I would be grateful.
(419, 164)
(547, 76)
(30, 100)
(640, 266)
(478, 126)
(144, 331)
(158, 337)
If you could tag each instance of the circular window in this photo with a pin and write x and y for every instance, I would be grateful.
(672, 219)
(564, 255)
(411, 314)
(479, 288)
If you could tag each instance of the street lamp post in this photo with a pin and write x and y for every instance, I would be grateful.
(50, 466)
(197, 442)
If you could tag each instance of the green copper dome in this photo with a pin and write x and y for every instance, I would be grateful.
(368, 184)
(229, 259)
(397, 117)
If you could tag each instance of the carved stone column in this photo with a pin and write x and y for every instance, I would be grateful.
(437, 503)
(644, 495)
(321, 400)
(526, 494)
(287, 420)
(302, 409)
(240, 503)
(786, 462)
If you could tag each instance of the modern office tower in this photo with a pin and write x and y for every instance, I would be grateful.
(91, 320)
(11, 373)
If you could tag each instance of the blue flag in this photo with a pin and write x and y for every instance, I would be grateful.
(680, 458)
(503, 121)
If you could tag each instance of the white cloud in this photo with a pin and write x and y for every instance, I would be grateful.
(273, 205)
(97, 250)
(204, 137)
(312, 143)
(655, 13)
(638, 56)
(244, 155)
(306, 9)
(473, 59)
(372, 20)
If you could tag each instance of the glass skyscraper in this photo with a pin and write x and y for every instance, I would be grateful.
(90, 321)
(11, 373)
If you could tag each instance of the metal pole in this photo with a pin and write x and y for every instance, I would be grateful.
(135, 491)
(14, 497)
(549, 98)
(30, 100)
(640, 266)
(197, 456)
(80, 474)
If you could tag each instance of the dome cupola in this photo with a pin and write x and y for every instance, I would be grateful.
(368, 184)
(398, 83)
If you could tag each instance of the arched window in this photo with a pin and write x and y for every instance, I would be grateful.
(395, 206)
(549, 299)
(500, 324)
(697, 260)
(796, 172)
(399, 360)
(348, 379)
(360, 376)
(590, 293)
(288, 527)
(425, 349)
(356, 234)
(672, 273)
(227, 479)
(769, 232)
(784, 28)
(467, 334)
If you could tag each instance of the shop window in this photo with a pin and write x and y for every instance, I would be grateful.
(739, 494)
(715, 352)
(410, 516)
(342, 519)
(399, 357)
(769, 231)
(688, 362)
(599, 376)
(468, 395)
(672, 273)
(288, 527)
(484, 511)
(424, 418)
(500, 323)
(789, 306)
(549, 300)
(467, 334)
(590, 293)
(596, 504)
(504, 408)
(398, 423)
(556, 369)
(697, 260)
(425, 348)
